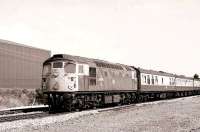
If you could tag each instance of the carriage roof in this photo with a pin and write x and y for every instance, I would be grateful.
(162, 73)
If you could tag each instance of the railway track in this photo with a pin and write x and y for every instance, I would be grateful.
(14, 117)
(32, 113)
(21, 114)
(29, 112)
(23, 110)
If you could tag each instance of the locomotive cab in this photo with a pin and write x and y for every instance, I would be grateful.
(60, 76)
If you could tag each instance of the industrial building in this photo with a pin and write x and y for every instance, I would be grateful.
(21, 65)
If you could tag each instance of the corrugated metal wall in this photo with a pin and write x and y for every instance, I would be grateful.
(21, 66)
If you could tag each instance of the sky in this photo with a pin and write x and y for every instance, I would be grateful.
(161, 35)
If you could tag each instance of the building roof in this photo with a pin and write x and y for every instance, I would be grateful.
(2, 41)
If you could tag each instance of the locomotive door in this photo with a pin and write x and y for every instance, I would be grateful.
(83, 73)
(92, 78)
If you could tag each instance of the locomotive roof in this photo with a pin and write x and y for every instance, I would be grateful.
(162, 73)
(90, 61)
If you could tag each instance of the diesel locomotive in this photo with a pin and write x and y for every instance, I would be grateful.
(73, 82)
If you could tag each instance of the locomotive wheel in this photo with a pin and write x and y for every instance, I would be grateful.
(133, 98)
(140, 98)
(79, 104)
(68, 106)
(128, 98)
(146, 98)
(123, 99)
(99, 101)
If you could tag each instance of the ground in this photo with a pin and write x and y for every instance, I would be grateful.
(177, 115)
(16, 97)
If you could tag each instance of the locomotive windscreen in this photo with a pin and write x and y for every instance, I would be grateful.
(70, 68)
(58, 65)
(46, 69)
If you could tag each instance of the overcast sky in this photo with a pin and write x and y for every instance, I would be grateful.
(153, 34)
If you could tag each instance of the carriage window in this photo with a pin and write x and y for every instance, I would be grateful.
(145, 79)
(57, 65)
(171, 81)
(46, 69)
(142, 78)
(148, 79)
(156, 79)
(70, 68)
(162, 80)
(152, 80)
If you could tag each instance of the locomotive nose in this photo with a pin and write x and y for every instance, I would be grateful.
(57, 83)
(55, 86)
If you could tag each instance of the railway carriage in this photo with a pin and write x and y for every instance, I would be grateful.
(183, 83)
(156, 81)
(78, 82)
(161, 85)
(196, 84)
(155, 84)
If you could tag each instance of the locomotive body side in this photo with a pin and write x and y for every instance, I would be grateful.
(113, 77)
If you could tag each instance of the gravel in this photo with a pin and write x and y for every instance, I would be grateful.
(177, 115)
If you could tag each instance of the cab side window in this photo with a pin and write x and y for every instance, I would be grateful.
(46, 69)
(70, 68)
(80, 69)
